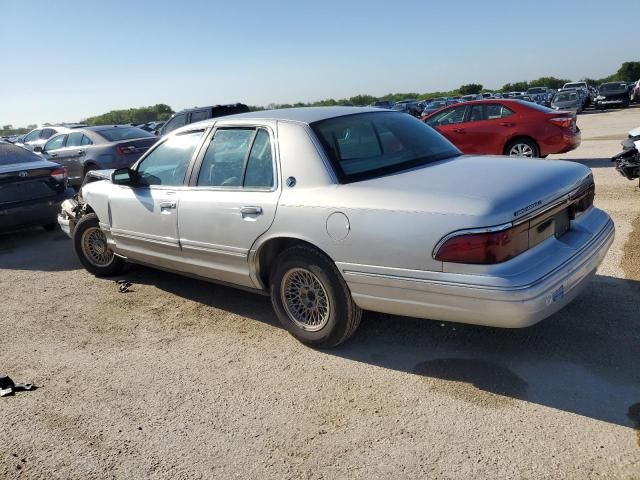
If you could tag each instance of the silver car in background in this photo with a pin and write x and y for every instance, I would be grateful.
(39, 136)
(568, 100)
(332, 211)
(95, 148)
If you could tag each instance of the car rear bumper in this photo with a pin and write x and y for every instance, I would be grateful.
(33, 212)
(512, 305)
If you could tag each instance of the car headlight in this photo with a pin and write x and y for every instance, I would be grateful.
(600, 97)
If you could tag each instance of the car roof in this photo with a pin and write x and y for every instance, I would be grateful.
(301, 115)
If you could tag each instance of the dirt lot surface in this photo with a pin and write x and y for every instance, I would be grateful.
(183, 379)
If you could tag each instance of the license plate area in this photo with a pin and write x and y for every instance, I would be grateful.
(554, 224)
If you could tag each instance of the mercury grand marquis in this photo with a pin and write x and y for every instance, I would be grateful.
(332, 211)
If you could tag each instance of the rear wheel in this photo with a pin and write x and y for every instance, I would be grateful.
(90, 244)
(522, 147)
(311, 299)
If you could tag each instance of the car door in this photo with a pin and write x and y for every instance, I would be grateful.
(487, 128)
(144, 221)
(449, 122)
(71, 156)
(53, 146)
(230, 202)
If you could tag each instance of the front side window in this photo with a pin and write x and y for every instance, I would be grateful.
(47, 133)
(167, 164)
(368, 145)
(448, 117)
(176, 122)
(55, 143)
(199, 115)
(32, 136)
(74, 139)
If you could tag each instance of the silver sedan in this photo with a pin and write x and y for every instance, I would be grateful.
(332, 211)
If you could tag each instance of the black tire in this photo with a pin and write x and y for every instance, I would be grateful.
(535, 151)
(343, 315)
(50, 227)
(87, 169)
(87, 224)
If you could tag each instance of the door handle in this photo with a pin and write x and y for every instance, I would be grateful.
(506, 124)
(458, 130)
(81, 152)
(251, 210)
(53, 155)
(170, 204)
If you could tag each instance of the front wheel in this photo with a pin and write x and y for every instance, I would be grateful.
(90, 244)
(311, 299)
(522, 147)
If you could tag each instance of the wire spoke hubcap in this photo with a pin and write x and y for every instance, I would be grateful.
(521, 150)
(95, 247)
(305, 299)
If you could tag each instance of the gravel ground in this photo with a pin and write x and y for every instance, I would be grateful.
(183, 379)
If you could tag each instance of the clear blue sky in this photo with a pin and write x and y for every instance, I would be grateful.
(70, 59)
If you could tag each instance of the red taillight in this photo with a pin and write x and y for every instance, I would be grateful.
(486, 247)
(59, 174)
(125, 150)
(563, 122)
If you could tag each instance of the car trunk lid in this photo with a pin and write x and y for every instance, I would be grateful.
(28, 181)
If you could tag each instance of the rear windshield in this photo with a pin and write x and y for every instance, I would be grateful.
(536, 90)
(565, 97)
(10, 154)
(575, 85)
(613, 87)
(369, 145)
(537, 106)
(116, 134)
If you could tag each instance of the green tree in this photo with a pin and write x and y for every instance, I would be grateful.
(362, 100)
(515, 87)
(132, 115)
(470, 89)
(551, 82)
(627, 72)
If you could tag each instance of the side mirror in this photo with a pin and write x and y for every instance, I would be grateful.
(123, 176)
(37, 149)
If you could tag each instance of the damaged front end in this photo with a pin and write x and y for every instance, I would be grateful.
(628, 161)
(72, 210)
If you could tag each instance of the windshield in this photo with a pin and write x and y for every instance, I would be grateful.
(613, 87)
(436, 104)
(369, 145)
(536, 90)
(116, 134)
(565, 97)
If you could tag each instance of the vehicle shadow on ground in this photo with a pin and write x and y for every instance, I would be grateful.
(593, 162)
(37, 249)
(583, 360)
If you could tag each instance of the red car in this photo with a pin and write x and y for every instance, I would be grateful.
(506, 127)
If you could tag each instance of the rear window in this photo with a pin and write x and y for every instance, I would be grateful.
(116, 134)
(613, 87)
(369, 145)
(537, 106)
(10, 154)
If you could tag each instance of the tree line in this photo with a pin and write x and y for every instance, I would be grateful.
(628, 71)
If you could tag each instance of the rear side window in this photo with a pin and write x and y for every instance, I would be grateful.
(10, 154)
(55, 143)
(86, 140)
(497, 110)
(32, 136)
(74, 139)
(238, 157)
(117, 134)
(477, 113)
(47, 133)
(167, 164)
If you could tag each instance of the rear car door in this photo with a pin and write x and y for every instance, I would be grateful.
(71, 156)
(230, 202)
(487, 128)
(449, 122)
(144, 222)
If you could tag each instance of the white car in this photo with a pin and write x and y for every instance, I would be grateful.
(332, 211)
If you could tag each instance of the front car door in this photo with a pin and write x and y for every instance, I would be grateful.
(449, 122)
(53, 147)
(144, 222)
(231, 200)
